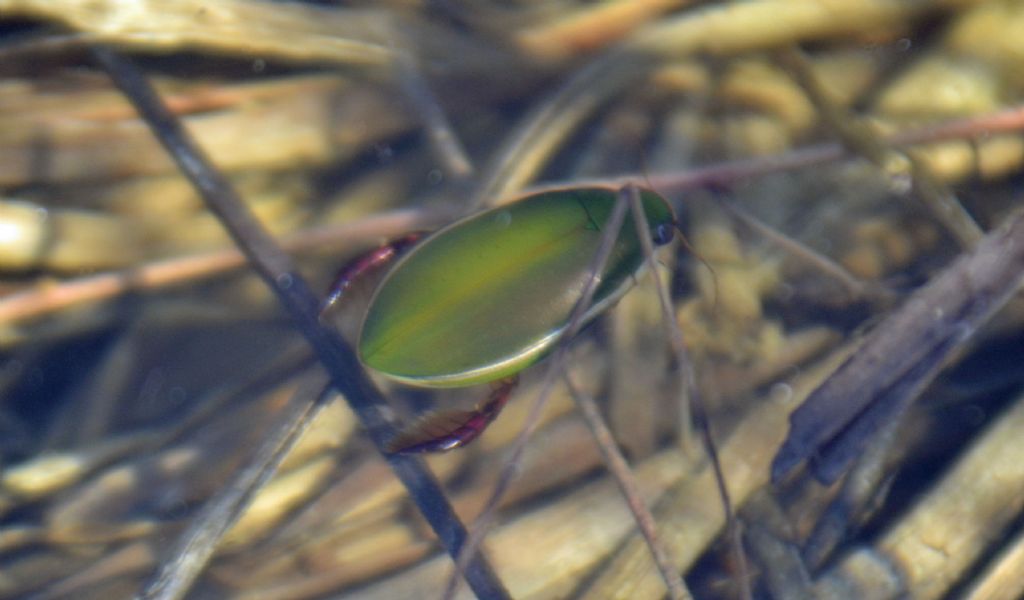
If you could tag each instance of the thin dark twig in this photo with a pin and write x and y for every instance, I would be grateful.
(623, 476)
(277, 270)
(902, 355)
(555, 366)
(697, 407)
(872, 468)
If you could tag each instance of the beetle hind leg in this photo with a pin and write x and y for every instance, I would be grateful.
(363, 265)
(444, 430)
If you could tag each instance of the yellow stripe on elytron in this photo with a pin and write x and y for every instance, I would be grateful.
(486, 374)
(464, 293)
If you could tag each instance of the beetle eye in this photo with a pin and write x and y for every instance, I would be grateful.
(663, 234)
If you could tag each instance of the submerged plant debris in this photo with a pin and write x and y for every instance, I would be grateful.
(849, 179)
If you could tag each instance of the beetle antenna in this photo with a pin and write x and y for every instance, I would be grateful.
(693, 252)
(682, 235)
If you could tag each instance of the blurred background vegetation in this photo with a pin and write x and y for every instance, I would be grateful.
(141, 363)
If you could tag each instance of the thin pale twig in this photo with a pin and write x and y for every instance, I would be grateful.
(445, 143)
(44, 298)
(729, 172)
(623, 476)
(855, 288)
(196, 546)
(556, 364)
(696, 402)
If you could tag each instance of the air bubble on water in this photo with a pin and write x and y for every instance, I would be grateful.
(503, 218)
(177, 395)
(782, 393)
(384, 152)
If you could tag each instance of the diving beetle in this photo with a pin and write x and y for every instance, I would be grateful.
(489, 295)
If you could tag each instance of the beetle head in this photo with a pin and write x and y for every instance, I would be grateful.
(663, 233)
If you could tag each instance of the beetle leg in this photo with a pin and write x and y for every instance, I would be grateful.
(364, 264)
(444, 430)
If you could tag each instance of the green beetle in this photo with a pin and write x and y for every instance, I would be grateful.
(491, 294)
